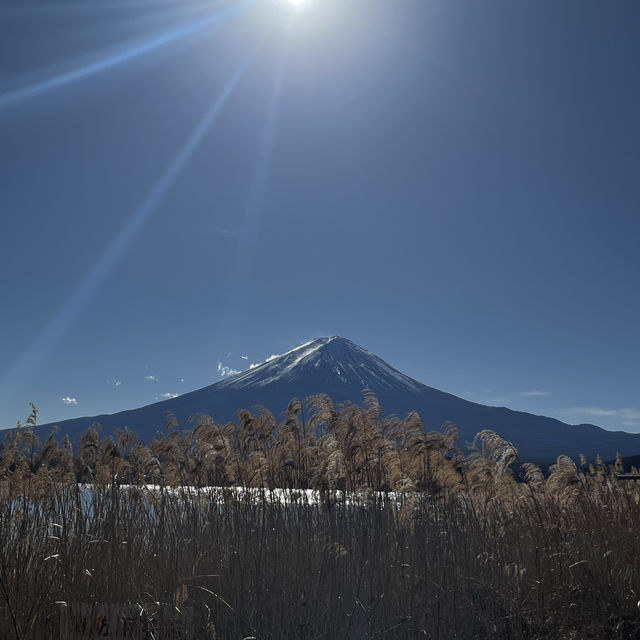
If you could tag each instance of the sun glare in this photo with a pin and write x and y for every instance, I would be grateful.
(295, 3)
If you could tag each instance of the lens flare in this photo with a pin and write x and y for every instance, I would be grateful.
(62, 320)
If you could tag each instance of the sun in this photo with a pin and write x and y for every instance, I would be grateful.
(294, 4)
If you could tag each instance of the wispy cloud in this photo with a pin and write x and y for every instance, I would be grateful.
(221, 231)
(253, 365)
(181, 379)
(224, 371)
(114, 382)
(628, 416)
(151, 378)
(486, 396)
(496, 400)
(535, 393)
(169, 394)
(69, 400)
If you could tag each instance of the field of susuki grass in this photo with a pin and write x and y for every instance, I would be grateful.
(380, 531)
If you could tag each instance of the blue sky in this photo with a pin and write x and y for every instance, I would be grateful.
(189, 187)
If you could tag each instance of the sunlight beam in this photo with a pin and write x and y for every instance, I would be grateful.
(90, 284)
(243, 264)
(115, 59)
(84, 6)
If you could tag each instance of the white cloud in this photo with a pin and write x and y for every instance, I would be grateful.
(169, 394)
(224, 371)
(151, 378)
(114, 382)
(535, 393)
(181, 379)
(624, 414)
(253, 365)
(69, 400)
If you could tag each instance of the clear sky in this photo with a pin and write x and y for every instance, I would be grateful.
(188, 187)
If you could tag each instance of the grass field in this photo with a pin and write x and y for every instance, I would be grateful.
(381, 531)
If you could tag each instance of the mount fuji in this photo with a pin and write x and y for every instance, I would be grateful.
(340, 368)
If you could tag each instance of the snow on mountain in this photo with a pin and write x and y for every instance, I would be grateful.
(334, 357)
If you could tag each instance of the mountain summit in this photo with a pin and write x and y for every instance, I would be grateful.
(326, 362)
(342, 369)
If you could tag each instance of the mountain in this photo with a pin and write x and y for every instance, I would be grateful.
(338, 367)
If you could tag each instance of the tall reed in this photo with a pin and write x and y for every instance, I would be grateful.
(380, 531)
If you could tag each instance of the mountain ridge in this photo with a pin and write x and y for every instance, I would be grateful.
(342, 369)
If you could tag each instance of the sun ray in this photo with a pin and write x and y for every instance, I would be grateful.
(242, 268)
(124, 54)
(88, 287)
(27, 8)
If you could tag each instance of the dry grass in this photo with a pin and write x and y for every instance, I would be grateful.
(461, 550)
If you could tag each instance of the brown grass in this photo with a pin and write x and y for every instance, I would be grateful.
(461, 549)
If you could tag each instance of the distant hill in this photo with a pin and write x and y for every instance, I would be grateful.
(338, 367)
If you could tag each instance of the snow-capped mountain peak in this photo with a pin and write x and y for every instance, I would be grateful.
(335, 360)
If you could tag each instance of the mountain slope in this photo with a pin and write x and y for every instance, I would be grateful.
(342, 369)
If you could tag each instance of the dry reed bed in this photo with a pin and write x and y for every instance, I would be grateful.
(463, 551)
